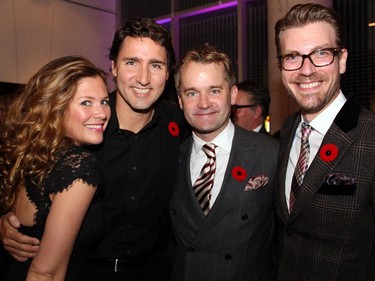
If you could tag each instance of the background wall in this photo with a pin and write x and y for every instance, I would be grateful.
(33, 32)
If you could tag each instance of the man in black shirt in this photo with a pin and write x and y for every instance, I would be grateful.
(139, 157)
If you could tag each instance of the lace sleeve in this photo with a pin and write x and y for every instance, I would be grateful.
(73, 164)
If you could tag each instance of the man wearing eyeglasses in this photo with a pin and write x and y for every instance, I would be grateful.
(325, 202)
(251, 108)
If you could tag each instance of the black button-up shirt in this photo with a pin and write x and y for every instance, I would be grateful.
(139, 173)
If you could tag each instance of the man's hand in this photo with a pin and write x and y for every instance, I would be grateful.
(18, 245)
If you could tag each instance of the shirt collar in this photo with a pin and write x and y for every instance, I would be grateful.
(257, 129)
(324, 120)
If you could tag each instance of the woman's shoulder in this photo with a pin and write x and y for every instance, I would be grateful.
(72, 164)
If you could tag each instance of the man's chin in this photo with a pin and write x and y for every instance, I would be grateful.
(142, 108)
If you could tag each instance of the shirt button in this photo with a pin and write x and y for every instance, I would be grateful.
(132, 197)
(244, 217)
(130, 226)
(134, 168)
(191, 250)
(228, 257)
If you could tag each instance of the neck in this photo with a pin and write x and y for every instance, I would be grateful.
(132, 120)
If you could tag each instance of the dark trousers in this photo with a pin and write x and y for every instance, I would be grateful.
(155, 268)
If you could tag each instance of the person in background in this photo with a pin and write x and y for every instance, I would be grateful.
(139, 157)
(48, 179)
(251, 108)
(222, 215)
(325, 199)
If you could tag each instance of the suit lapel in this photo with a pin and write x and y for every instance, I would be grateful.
(186, 193)
(285, 147)
(345, 121)
(319, 168)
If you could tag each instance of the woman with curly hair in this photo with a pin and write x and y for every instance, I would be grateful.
(47, 177)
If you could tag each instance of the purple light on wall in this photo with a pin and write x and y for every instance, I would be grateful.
(201, 11)
(164, 21)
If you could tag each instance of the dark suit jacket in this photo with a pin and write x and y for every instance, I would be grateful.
(330, 234)
(234, 242)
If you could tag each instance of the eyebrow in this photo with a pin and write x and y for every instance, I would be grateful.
(316, 48)
(195, 89)
(149, 61)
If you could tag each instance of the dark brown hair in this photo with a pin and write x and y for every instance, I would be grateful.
(302, 14)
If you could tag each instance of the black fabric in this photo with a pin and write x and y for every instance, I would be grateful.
(74, 163)
(140, 171)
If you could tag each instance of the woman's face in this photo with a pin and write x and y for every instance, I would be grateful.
(88, 113)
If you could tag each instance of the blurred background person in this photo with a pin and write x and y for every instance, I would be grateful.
(251, 108)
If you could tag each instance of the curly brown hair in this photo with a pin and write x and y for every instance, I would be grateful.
(34, 128)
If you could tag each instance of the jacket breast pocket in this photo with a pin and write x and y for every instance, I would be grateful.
(346, 190)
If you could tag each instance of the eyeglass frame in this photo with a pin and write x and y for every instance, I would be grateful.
(235, 107)
(335, 51)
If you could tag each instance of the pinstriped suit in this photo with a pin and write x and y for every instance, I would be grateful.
(234, 242)
(330, 234)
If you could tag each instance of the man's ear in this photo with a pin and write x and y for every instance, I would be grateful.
(233, 95)
(342, 60)
(113, 69)
(180, 101)
(258, 111)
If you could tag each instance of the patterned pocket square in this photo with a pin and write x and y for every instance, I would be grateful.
(332, 179)
(256, 182)
(338, 185)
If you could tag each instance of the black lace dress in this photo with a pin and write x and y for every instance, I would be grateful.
(74, 163)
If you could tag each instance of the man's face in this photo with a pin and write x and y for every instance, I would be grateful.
(141, 72)
(312, 87)
(205, 98)
(246, 117)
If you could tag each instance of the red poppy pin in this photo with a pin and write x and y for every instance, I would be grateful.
(173, 128)
(328, 152)
(239, 173)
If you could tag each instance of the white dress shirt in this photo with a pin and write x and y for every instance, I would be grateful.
(320, 125)
(257, 129)
(198, 158)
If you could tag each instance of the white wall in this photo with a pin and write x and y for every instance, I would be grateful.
(33, 32)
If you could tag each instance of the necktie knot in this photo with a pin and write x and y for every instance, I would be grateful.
(306, 131)
(209, 150)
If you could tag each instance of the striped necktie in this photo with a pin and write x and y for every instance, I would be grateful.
(302, 164)
(203, 185)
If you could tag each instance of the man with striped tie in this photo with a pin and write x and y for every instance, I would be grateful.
(221, 209)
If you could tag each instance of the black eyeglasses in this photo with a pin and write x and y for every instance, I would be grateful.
(319, 58)
(238, 106)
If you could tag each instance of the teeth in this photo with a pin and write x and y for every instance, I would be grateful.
(310, 85)
(94, 126)
(141, 91)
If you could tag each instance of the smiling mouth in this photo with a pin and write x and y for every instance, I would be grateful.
(309, 85)
(142, 91)
(94, 127)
